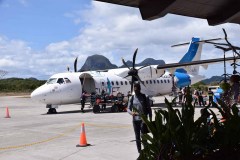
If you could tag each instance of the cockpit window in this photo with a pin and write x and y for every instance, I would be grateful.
(67, 80)
(51, 80)
(60, 80)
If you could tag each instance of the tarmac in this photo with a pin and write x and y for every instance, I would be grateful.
(32, 134)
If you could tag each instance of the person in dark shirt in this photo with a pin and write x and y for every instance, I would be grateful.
(210, 96)
(139, 105)
(200, 98)
(83, 100)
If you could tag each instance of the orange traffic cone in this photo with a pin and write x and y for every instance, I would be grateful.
(7, 113)
(83, 139)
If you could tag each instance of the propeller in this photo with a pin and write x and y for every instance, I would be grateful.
(133, 72)
(75, 64)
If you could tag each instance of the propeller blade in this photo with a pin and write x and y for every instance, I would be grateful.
(134, 57)
(125, 63)
(132, 84)
(75, 64)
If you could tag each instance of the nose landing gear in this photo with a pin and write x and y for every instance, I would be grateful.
(52, 109)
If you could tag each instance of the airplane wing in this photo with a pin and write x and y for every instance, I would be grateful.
(215, 11)
(174, 66)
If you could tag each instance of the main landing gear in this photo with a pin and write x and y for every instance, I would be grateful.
(52, 109)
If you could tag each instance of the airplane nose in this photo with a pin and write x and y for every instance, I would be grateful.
(35, 95)
(39, 94)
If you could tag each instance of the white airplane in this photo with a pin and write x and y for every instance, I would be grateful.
(66, 88)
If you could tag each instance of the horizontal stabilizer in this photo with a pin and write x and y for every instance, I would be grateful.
(208, 61)
(200, 41)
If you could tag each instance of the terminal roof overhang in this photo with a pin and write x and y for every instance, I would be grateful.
(215, 11)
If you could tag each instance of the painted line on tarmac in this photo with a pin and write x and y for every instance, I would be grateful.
(62, 135)
(43, 141)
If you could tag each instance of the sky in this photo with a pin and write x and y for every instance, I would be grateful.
(39, 38)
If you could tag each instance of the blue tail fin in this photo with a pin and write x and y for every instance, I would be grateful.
(193, 49)
(193, 54)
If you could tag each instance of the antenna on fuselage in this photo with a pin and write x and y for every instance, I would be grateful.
(68, 68)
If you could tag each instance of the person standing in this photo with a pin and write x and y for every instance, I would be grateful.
(210, 96)
(184, 94)
(200, 98)
(180, 96)
(139, 105)
(83, 100)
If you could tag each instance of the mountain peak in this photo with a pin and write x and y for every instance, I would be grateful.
(99, 62)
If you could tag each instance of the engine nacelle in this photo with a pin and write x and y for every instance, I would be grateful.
(182, 79)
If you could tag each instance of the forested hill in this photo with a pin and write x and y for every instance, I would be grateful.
(19, 84)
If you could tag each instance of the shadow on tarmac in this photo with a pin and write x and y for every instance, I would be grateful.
(108, 110)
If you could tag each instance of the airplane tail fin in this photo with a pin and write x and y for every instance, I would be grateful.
(193, 54)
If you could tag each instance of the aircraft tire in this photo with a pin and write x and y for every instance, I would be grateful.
(96, 109)
(52, 111)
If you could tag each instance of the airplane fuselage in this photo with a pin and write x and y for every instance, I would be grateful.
(66, 88)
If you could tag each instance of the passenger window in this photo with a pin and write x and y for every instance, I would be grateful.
(168, 81)
(117, 83)
(102, 83)
(157, 81)
(112, 83)
(147, 82)
(165, 81)
(121, 83)
(126, 83)
(150, 81)
(67, 80)
(60, 80)
(161, 81)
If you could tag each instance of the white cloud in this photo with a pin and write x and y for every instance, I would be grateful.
(113, 31)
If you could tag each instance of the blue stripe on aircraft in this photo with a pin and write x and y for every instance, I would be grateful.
(188, 57)
(109, 86)
(183, 79)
